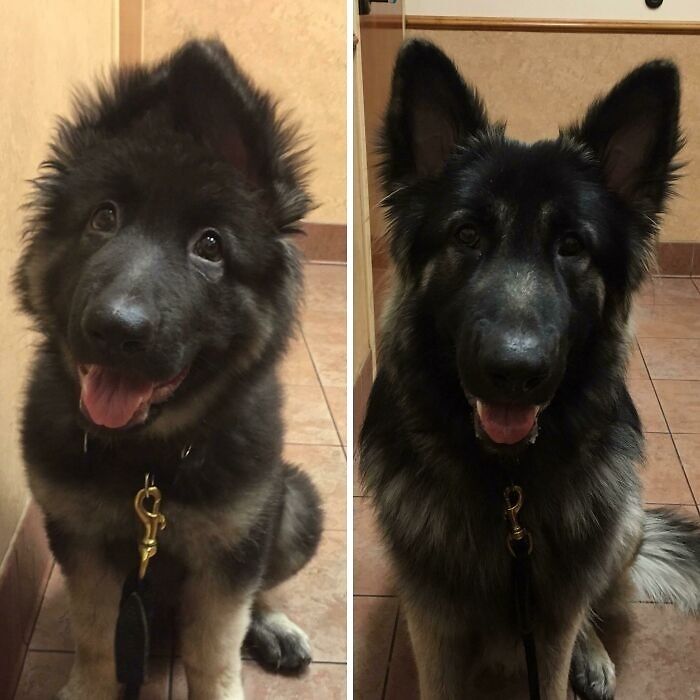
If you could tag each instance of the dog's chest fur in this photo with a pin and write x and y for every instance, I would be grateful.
(194, 533)
(445, 528)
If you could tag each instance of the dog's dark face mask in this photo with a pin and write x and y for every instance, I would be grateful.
(158, 259)
(520, 254)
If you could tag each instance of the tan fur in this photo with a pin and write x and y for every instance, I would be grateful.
(188, 528)
(214, 624)
(94, 593)
(556, 661)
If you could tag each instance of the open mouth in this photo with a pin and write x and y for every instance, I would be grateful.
(505, 423)
(112, 398)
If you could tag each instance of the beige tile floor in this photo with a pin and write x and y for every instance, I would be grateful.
(661, 657)
(314, 375)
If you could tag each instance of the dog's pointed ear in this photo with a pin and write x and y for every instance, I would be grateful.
(212, 99)
(431, 110)
(634, 133)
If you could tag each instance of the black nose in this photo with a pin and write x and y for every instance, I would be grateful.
(119, 327)
(516, 365)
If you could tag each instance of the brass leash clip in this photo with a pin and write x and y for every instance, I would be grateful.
(513, 496)
(153, 521)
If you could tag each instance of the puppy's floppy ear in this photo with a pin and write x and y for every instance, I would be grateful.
(214, 101)
(431, 110)
(635, 135)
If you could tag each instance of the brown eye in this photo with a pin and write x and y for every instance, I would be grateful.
(569, 246)
(208, 246)
(469, 236)
(104, 218)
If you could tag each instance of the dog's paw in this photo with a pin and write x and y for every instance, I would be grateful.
(275, 642)
(84, 691)
(592, 674)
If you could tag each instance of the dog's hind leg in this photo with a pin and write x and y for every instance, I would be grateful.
(592, 670)
(299, 529)
(273, 639)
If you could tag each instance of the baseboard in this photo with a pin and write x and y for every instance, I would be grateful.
(23, 581)
(323, 242)
(678, 259)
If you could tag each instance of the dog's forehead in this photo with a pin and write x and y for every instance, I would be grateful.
(534, 186)
(535, 211)
(166, 174)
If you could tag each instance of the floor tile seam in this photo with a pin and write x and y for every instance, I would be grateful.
(658, 400)
(323, 390)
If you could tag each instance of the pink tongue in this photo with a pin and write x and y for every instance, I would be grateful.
(111, 398)
(506, 424)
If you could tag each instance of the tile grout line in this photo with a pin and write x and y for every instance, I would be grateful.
(669, 505)
(328, 663)
(41, 604)
(653, 387)
(668, 337)
(28, 646)
(315, 444)
(670, 432)
(375, 595)
(326, 263)
(687, 480)
(323, 389)
(391, 653)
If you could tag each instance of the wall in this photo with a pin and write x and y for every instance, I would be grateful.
(381, 37)
(46, 48)
(670, 10)
(296, 51)
(541, 80)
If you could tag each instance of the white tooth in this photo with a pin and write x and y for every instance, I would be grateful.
(479, 407)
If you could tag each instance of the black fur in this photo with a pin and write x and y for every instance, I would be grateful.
(178, 148)
(515, 270)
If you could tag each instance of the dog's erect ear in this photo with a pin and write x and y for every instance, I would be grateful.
(212, 99)
(634, 133)
(431, 110)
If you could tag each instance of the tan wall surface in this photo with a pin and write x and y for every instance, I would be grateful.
(381, 40)
(46, 48)
(296, 50)
(541, 80)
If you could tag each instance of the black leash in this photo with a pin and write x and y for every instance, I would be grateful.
(519, 543)
(132, 637)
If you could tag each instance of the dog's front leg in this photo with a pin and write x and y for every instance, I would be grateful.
(556, 661)
(444, 667)
(214, 623)
(94, 591)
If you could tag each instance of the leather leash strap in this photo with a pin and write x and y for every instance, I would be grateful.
(519, 542)
(132, 638)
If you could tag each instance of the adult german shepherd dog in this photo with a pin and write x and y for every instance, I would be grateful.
(158, 272)
(503, 359)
